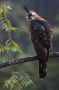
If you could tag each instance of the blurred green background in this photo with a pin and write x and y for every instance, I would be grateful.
(49, 9)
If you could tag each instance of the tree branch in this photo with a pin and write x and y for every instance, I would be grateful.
(22, 60)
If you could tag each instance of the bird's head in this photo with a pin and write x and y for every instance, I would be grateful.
(31, 15)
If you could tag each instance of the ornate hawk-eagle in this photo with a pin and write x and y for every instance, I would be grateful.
(41, 36)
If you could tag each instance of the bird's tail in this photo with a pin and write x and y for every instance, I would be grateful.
(42, 69)
(43, 66)
(48, 51)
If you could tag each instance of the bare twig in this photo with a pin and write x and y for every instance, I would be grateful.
(22, 60)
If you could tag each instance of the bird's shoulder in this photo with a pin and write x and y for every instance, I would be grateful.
(37, 25)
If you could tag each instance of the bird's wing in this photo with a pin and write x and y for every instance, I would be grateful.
(40, 31)
(48, 31)
(39, 45)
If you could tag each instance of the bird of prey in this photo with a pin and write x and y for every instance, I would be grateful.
(41, 36)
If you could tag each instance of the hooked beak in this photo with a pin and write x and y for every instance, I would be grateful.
(26, 9)
(29, 14)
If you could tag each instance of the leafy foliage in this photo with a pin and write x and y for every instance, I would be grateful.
(6, 25)
(3, 13)
(5, 9)
(13, 46)
(10, 46)
(18, 81)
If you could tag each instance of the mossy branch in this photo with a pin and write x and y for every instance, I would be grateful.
(23, 60)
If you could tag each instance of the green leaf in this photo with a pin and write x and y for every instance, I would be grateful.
(10, 46)
(3, 49)
(13, 28)
(3, 14)
(13, 46)
(5, 9)
(8, 25)
(8, 7)
(18, 81)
